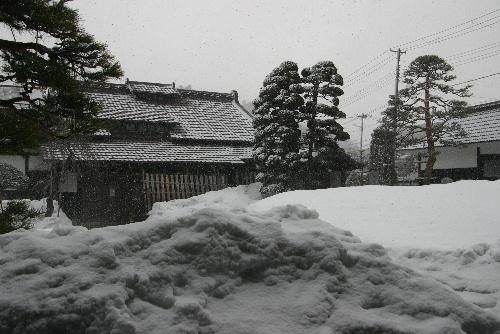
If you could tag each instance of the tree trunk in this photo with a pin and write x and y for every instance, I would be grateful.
(428, 133)
(50, 207)
(50, 199)
(313, 120)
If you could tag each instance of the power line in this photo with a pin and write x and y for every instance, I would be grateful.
(450, 28)
(464, 28)
(477, 58)
(368, 71)
(476, 79)
(368, 63)
(466, 53)
(473, 59)
(381, 82)
(362, 97)
(454, 35)
(377, 63)
(348, 122)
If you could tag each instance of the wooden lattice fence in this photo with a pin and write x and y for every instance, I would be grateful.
(161, 187)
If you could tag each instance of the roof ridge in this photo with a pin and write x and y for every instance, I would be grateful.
(103, 86)
(487, 105)
(151, 83)
(205, 93)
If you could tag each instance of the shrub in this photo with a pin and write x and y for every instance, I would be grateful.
(17, 215)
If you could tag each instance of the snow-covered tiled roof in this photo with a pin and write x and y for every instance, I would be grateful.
(146, 151)
(9, 91)
(127, 107)
(196, 115)
(483, 124)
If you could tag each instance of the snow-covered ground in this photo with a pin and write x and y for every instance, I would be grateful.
(450, 232)
(443, 216)
(227, 262)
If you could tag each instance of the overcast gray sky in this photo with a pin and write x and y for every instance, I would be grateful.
(230, 44)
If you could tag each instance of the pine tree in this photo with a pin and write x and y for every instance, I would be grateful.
(51, 52)
(321, 86)
(277, 132)
(428, 111)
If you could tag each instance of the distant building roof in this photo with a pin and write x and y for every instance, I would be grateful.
(146, 151)
(481, 125)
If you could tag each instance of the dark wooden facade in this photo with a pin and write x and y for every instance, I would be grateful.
(120, 193)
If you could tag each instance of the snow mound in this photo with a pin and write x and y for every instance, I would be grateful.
(443, 216)
(57, 220)
(219, 271)
(232, 199)
(473, 273)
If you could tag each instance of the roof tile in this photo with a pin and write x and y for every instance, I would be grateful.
(483, 124)
(146, 151)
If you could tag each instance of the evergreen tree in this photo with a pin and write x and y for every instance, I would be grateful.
(284, 160)
(382, 155)
(11, 178)
(277, 133)
(321, 86)
(428, 107)
(50, 52)
(383, 146)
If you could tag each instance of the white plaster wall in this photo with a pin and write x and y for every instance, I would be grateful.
(459, 157)
(37, 163)
(456, 157)
(14, 160)
(490, 148)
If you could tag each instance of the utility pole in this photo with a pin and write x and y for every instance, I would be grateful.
(362, 116)
(396, 113)
(398, 58)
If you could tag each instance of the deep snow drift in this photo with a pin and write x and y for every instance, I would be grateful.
(443, 216)
(219, 270)
(450, 232)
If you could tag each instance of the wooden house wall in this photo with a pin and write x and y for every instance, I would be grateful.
(120, 193)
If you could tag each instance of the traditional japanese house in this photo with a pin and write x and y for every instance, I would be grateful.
(158, 143)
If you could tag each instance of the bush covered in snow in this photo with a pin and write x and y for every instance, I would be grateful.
(215, 270)
(17, 215)
(356, 178)
(11, 177)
